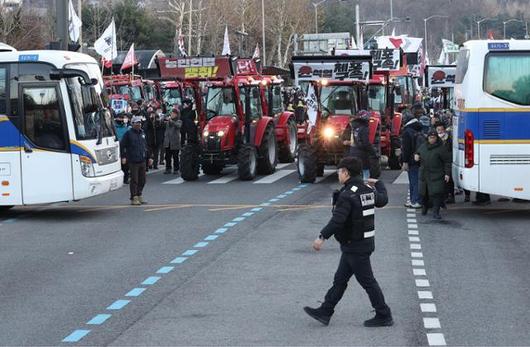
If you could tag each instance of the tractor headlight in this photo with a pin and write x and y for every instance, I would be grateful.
(328, 132)
(221, 133)
(87, 168)
(205, 133)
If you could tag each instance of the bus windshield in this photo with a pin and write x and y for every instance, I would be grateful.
(376, 98)
(338, 100)
(507, 76)
(220, 101)
(171, 96)
(88, 125)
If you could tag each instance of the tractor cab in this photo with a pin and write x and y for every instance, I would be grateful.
(123, 89)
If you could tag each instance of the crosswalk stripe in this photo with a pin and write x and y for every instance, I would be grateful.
(327, 173)
(225, 179)
(403, 178)
(281, 166)
(274, 177)
(179, 180)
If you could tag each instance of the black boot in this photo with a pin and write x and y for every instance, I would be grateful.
(424, 209)
(379, 321)
(318, 314)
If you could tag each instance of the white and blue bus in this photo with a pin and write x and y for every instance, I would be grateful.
(491, 145)
(57, 141)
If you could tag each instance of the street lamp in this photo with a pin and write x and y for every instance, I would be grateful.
(478, 25)
(425, 20)
(506, 22)
(316, 4)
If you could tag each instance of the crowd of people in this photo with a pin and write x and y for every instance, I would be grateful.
(150, 137)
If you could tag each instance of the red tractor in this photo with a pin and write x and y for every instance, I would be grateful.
(381, 100)
(234, 127)
(336, 92)
(125, 88)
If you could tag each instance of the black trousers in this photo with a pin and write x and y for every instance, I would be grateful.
(137, 183)
(125, 169)
(157, 155)
(357, 264)
(172, 155)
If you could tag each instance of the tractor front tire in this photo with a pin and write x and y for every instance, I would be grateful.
(247, 162)
(306, 164)
(189, 163)
(288, 150)
(268, 152)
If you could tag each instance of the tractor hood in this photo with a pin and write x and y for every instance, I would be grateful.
(220, 123)
(338, 123)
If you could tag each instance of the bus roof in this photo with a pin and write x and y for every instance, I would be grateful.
(485, 46)
(57, 58)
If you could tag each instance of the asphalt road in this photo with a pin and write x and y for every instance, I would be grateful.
(230, 263)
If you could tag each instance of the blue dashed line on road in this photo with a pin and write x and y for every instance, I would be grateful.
(99, 319)
(200, 244)
(165, 269)
(179, 260)
(135, 292)
(151, 280)
(10, 220)
(76, 336)
(118, 304)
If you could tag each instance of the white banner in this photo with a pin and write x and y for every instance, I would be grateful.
(74, 25)
(386, 59)
(106, 44)
(331, 69)
(441, 76)
(312, 105)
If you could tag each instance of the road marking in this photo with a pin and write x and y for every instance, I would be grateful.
(76, 336)
(225, 179)
(423, 294)
(411, 210)
(248, 214)
(417, 262)
(190, 252)
(99, 319)
(411, 215)
(257, 209)
(274, 177)
(283, 165)
(118, 304)
(414, 239)
(415, 246)
(179, 260)
(403, 178)
(416, 254)
(436, 339)
(211, 237)
(413, 226)
(428, 308)
(412, 220)
(414, 232)
(200, 244)
(327, 173)
(431, 323)
(422, 283)
(221, 230)
(228, 225)
(419, 272)
(151, 280)
(281, 196)
(274, 200)
(238, 219)
(165, 269)
(179, 180)
(135, 292)
(266, 204)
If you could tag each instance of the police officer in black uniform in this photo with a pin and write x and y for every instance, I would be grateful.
(352, 225)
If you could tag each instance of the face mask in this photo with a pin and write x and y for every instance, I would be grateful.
(441, 135)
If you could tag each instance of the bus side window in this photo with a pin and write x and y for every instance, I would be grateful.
(3, 91)
(43, 123)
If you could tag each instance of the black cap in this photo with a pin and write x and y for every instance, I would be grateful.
(353, 165)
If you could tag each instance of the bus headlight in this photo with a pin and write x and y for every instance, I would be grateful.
(87, 168)
(328, 133)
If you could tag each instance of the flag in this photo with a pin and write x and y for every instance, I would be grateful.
(106, 44)
(106, 63)
(74, 23)
(393, 32)
(449, 46)
(130, 59)
(352, 44)
(491, 35)
(226, 43)
(312, 105)
(257, 53)
(180, 44)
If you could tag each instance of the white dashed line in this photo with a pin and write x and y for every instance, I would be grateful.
(436, 339)
(416, 254)
(417, 262)
(413, 226)
(414, 239)
(422, 283)
(414, 232)
(431, 323)
(419, 272)
(428, 308)
(415, 246)
(424, 294)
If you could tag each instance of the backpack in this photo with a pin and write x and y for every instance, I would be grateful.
(419, 139)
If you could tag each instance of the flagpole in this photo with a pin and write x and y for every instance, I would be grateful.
(79, 10)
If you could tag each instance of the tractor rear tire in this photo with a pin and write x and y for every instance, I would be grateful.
(189, 163)
(306, 164)
(268, 152)
(211, 169)
(247, 162)
(288, 150)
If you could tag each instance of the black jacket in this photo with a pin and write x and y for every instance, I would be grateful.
(133, 146)
(341, 221)
(408, 142)
(361, 148)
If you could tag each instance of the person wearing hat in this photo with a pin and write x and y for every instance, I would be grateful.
(411, 140)
(133, 147)
(435, 172)
(172, 141)
(357, 136)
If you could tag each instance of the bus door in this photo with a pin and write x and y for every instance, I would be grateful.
(46, 163)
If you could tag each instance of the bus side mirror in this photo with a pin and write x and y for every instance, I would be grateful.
(90, 99)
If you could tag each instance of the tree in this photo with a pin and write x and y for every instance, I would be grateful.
(22, 29)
